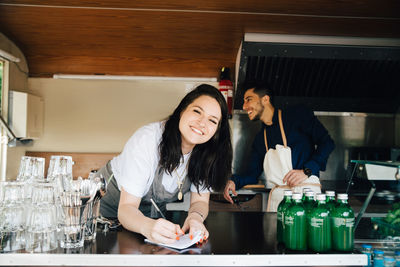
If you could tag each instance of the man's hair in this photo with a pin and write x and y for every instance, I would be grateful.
(260, 88)
(210, 163)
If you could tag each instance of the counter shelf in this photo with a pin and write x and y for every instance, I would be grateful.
(236, 239)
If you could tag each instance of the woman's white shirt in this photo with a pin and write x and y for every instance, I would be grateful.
(134, 169)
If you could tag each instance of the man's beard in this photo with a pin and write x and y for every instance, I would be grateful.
(257, 117)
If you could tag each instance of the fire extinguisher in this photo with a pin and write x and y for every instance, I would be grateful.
(226, 88)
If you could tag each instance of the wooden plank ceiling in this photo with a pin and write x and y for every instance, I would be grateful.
(180, 38)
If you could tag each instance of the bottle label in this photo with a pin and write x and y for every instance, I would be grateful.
(289, 220)
(347, 222)
(317, 222)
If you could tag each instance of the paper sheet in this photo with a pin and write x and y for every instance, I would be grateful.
(183, 242)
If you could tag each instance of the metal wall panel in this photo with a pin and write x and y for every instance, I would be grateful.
(366, 136)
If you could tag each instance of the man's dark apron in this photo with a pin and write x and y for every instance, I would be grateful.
(109, 203)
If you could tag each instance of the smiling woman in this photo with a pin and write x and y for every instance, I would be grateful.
(189, 151)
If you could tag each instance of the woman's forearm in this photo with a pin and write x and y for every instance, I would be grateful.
(199, 208)
(133, 219)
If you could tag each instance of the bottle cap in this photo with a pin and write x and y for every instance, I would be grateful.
(388, 258)
(342, 196)
(366, 246)
(321, 197)
(287, 193)
(296, 196)
(310, 193)
(305, 189)
(376, 251)
(330, 193)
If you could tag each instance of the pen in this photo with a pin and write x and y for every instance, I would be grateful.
(155, 206)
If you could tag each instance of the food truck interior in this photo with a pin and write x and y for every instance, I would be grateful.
(341, 59)
(88, 74)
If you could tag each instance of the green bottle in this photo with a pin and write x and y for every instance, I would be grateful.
(294, 234)
(309, 204)
(342, 225)
(305, 189)
(330, 200)
(309, 201)
(285, 203)
(319, 226)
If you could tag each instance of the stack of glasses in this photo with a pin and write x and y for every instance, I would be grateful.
(38, 214)
(41, 217)
(12, 216)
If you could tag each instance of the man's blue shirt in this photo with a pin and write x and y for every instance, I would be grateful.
(307, 138)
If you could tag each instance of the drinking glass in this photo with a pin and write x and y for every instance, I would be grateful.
(91, 213)
(60, 171)
(12, 224)
(12, 192)
(31, 168)
(44, 193)
(41, 228)
(72, 227)
(60, 165)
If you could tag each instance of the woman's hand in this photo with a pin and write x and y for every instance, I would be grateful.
(294, 178)
(198, 212)
(162, 231)
(194, 223)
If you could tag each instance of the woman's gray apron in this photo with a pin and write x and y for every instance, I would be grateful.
(110, 201)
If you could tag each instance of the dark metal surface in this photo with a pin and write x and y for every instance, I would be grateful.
(230, 233)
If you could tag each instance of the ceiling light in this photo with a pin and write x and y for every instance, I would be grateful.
(133, 78)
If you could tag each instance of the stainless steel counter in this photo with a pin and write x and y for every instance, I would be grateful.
(236, 239)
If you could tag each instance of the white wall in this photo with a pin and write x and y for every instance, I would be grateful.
(98, 115)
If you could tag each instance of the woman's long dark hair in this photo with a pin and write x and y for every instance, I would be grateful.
(210, 163)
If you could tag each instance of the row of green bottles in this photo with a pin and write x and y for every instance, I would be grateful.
(321, 225)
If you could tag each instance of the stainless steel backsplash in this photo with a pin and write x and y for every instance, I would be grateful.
(356, 135)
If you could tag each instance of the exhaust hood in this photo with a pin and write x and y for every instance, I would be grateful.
(345, 74)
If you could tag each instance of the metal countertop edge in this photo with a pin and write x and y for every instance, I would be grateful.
(20, 259)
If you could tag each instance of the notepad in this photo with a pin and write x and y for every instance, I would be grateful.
(183, 242)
